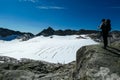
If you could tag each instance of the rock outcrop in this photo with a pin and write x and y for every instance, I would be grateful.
(112, 37)
(96, 63)
(27, 69)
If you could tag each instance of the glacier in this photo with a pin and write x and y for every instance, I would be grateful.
(54, 49)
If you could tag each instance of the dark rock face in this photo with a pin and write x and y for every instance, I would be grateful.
(59, 32)
(65, 32)
(96, 63)
(6, 34)
(82, 31)
(46, 32)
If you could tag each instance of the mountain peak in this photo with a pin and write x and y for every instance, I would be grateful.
(47, 32)
(50, 28)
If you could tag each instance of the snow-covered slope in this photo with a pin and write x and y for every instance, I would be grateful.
(55, 49)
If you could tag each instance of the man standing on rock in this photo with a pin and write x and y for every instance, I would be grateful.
(105, 27)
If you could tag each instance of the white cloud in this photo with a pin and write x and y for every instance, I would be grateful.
(45, 5)
(33, 1)
(50, 7)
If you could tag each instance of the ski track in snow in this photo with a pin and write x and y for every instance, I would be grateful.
(59, 49)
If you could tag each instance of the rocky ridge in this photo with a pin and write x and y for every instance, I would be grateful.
(50, 31)
(7, 34)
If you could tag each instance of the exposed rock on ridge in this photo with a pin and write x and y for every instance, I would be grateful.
(7, 34)
(50, 31)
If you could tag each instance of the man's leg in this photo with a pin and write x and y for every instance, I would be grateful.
(105, 40)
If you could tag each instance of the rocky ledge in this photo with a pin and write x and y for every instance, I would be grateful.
(96, 63)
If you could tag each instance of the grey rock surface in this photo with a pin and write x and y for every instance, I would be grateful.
(96, 63)
(27, 69)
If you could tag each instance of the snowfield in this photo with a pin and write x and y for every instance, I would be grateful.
(58, 49)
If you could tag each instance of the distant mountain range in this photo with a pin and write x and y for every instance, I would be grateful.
(50, 31)
(7, 34)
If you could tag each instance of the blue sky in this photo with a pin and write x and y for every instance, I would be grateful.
(35, 15)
